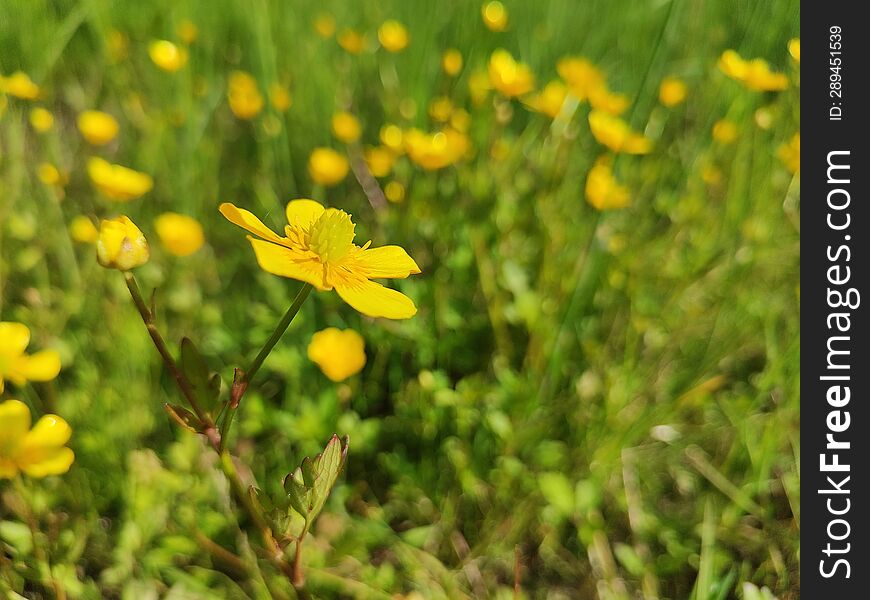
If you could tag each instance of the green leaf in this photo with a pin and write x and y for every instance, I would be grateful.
(558, 492)
(183, 417)
(308, 487)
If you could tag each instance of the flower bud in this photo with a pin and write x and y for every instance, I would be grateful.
(121, 245)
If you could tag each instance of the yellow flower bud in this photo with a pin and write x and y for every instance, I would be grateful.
(97, 127)
(180, 235)
(346, 127)
(339, 354)
(672, 91)
(41, 119)
(121, 245)
(327, 167)
(167, 55)
(393, 36)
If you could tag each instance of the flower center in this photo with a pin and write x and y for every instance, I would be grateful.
(331, 235)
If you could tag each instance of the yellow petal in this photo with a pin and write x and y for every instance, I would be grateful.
(285, 262)
(42, 366)
(303, 211)
(14, 424)
(386, 262)
(49, 432)
(14, 338)
(247, 220)
(49, 461)
(374, 300)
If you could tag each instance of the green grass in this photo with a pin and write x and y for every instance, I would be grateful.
(611, 397)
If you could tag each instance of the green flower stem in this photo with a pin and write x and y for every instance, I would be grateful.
(241, 379)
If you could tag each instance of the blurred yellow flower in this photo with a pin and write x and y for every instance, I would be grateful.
(327, 167)
(41, 119)
(117, 182)
(49, 175)
(97, 127)
(393, 36)
(602, 190)
(478, 87)
(434, 151)
(612, 103)
(324, 25)
(794, 48)
(755, 74)
(318, 248)
(280, 97)
(495, 16)
(790, 153)
(245, 99)
(581, 76)
(615, 133)
(167, 55)
(18, 367)
(724, 131)
(188, 31)
(346, 127)
(441, 109)
(339, 354)
(351, 41)
(508, 76)
(392, 137)
(121, 245)
(380, 160)
(451, 62)
(82, 230)
(19, 85)
(180, 235)
(548, 101)
(36, 452)
(460, 120)
(672, 91)
(394, 192)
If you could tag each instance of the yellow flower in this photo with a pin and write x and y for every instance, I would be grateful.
(581, 76)
(612, 103)
(460, 120)
(794, 48)
(394, 191)
(180, 235)
(440, 109)
(97, 127)
(36, 452)
(188, 31)
(324, 25)
(790, 154)
(755, 74)
(339, 354)
(434, 151)
(724, 131)
(121, 245)
(280, 97)
(117, 182)
(82, 230)
(318, 248)
(380, 160)
(672, 91)
(392, 137)
(327, 167)
(451, 62)
(615, 133)
(478, 87)
(346, 127)
(41, 119)
(393, 36)
(602, 190)
(167, 55)
(351, 41)
(18, 367)
(548, 101)
(508, 76)
(494, 15)
(49, 175)
(19, 85)
(245, 99)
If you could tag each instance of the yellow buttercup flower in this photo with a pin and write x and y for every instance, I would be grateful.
(495, 16)
(602, 190)
(180, 235)
(434, 151)
(548, 101)
(346, 127)
(327, 167)
(394, 192)
(615, 133)
(581, 76)
(604, 100)
(794, 48)
(167, 55)
(49, 174)
(672, 91)
(392, 137)
(508, 76)
(121, 245)
(324, 25)
(280, 97)
(441, 109)
(351, 41)
(117, 182)
(380, 160)
(19, 85)
(393, 36)
(479, 87)
(244, 97)
(41, 119)
(339, 354)
(755, 74)
(790, 154)
(317, 247)
(460, 120)
(82, 230)
(18, 367)
(36, 452)
(724, 131)
(97, 127)
(451, 62)
(188, 31)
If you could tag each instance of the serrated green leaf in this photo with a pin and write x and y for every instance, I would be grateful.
(308, 487)
(307, 469)
(297, 493)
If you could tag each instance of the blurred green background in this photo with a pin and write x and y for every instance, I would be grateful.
(608, 399)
